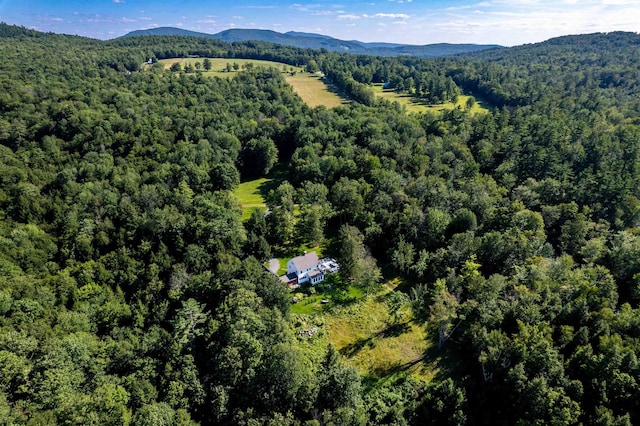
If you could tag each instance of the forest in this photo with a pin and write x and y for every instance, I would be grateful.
(133, 293)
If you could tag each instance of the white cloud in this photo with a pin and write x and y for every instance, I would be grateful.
(348, 17)
(526, 21)
(305, 8)
(391, 15)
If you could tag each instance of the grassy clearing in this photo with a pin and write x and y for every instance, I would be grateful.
(311, 87)
(315, 91)
(378, 346)
(250, 196)
(312, 304)
(219, 65)
(416, 105)
(251, 193)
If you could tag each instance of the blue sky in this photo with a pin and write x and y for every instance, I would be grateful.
(505, 22)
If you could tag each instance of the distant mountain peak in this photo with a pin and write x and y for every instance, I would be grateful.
(302, 34)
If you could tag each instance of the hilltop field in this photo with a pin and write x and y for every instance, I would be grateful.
(226, 67)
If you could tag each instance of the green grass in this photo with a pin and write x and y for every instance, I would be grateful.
(219, 65)
(368, 336)
(251, 193)
(416, 105)
(250, 196)
(315, 91)
(312, 88)
(312, 304)
(376, 345)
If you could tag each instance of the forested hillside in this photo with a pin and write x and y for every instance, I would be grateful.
(131, 292)
(319, 41)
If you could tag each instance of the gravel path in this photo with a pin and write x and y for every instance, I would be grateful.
(274, 265)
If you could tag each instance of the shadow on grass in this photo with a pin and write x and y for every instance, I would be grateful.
(397, 368)
(355, 347)
(276, 176)
(332, 88)
(344, 297)
(393, 330)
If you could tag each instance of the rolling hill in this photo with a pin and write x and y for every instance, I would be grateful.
(319, 41)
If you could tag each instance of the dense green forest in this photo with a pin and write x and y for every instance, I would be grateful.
(131, 292)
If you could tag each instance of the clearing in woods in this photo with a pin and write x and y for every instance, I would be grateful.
(219, 65)
(379, 343)
(311, 87)
(414, 104)
(252, 192)
(315, 91)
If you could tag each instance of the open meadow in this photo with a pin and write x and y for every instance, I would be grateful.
(368, 333)
(252, 192)
(315, 91)
(311, 87)
(219, 66)
(416, 105)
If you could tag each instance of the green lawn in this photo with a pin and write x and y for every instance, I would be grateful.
(251, 197)
(251, 193)
(313, 304)
(414, 104)
(310, 305)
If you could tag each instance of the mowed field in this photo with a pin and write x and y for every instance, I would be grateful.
(219, 65)
(250, 196)
(251, 192)
(414, 104)
(314, 90)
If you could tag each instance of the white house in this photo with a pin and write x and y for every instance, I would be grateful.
(302, 265)
(309, 268)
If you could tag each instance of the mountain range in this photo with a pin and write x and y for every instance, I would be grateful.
(319, 41)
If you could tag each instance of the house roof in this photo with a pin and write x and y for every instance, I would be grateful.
(287, 278)
(307, 261)
(312, 274)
